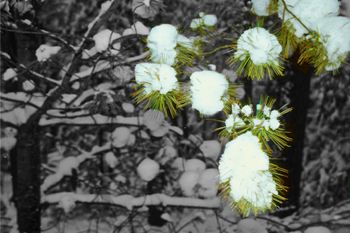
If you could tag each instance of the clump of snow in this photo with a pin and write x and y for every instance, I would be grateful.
(9, 74)
(335, 36)
(261, 7)
(111, 160)
(156, 77)
(137, 28)
(243, 155)
(204, 21)
(66, 165)
(185, 41)
(248, 225)
(208, 181)
(148, 169)
(104, 38)
(44, 52)
(247, 110)
(188, 181)
(317, 229)
(162, 41)
(105, 6)
(153, 119)
(255, 187)
(309, 12)
(128, 107)
(28, 85)
(245, 165)
(194, 165)
(207, 91)
(121, 137)
(8, 143)
(261, 46)
(67, 203)
(211, 149)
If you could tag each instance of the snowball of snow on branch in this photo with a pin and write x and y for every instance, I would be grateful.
(261, 46)
(335, 37)
(104, 38)
(256, 188)
(148, 169)
(203, 21)
(261, 7)
(207, 91)
(309, 12)
(9, 74)
(243, 167)
(162, 41)
(243, 155)
(156, 77)
(45, 51)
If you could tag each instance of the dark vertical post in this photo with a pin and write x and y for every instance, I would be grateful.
(299, 96)
(27, 175)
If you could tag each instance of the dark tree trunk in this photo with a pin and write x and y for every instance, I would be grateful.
(299, 96)
(27, 179)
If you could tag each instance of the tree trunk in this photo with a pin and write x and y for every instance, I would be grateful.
(27, 179)
(299, 96)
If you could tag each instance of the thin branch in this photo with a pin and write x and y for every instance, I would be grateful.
(130, 202)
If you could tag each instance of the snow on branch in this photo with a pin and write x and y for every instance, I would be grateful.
(130, 202)
(96, 119)
(105, 65)
(35, 74)
(66, 166)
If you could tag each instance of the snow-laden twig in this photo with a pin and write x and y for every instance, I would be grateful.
(66, 166)
(96, 119)
(129, 201)
(105, 65)
(35, 74)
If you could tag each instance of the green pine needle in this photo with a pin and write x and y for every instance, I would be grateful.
(246, 67)
(167, 103)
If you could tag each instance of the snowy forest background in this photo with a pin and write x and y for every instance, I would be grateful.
(87, 151)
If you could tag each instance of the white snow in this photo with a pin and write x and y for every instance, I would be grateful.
(247, 110)
(188, 181)
(195, 165)
(137, 28)
(261, 46)
(185, 41)
(335, 36)
(162, 41)
(156, 77)
(274, 123)
(121, 137)
(261, 7)
(104, 38)
(128, 107)
(242, 156)
(44, 52)
(204, 21)
(207, 91)
(209, 20)
(208, 181)
(28, 85)
(148, 169)
(317, 229)
(111, 160)
(211, 149)
(105, 6)
(233, 121)
(309, 12)
(255, 187)
(9, 74)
